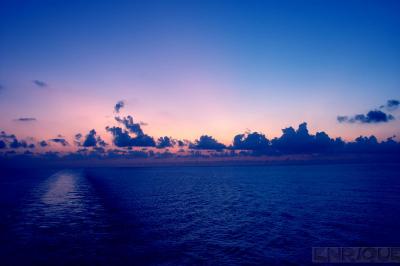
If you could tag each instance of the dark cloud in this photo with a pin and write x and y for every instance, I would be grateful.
(25, 119)
(43, 143)
(181, 143)
(39, 83)
(4, 135)
(130, 125)
(251, 141)
(91, 139)
(15, 144)
(118, 106)
(374, 116)
(165, 142)
(391, 105)
(13, 141)
(206, 142)
(300, 141)
(78, 136)
(2, 144)
(121, 138)
(61, 141)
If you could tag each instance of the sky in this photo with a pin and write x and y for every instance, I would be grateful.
(189, 68)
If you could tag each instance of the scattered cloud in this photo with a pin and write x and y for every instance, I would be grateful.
(13, 141)
(90, 140)
(25, 119)
(39, 83)
(372, 117)
(43, 143)
(118, 106)
(130, 124)
(60, 141)
(391, 105)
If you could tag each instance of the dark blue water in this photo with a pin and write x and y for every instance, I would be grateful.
(258, 215)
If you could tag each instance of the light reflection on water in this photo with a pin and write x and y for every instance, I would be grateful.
(61, 189)
(63, 211)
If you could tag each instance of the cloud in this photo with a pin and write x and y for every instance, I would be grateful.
(118, 106)
(2, 144)
(391, 105)
(121, 138)
(61, 141)
(39, 83)
(43, 143)
(25, 119)
(15, 144)
(130, 124)
(4, 135)
(372, 117)
(165, 142)
(300, 141)
(206, 142)
(91, 139)
(13, 141)
(251, 141)
(78, 136)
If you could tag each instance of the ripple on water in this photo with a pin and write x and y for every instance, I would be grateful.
(62, 214)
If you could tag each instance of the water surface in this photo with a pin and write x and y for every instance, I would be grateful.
(252, 215)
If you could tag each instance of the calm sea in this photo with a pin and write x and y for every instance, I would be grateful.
(252, 215)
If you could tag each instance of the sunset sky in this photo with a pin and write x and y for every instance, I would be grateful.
(188, 68)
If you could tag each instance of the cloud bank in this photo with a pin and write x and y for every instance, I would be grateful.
(130, 141)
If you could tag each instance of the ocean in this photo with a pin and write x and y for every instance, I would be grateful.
(208, 215)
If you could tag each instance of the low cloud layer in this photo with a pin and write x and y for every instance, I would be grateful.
(165, 142)
(206, 142)
(12, 142)
(251, 141)
(130, 141)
